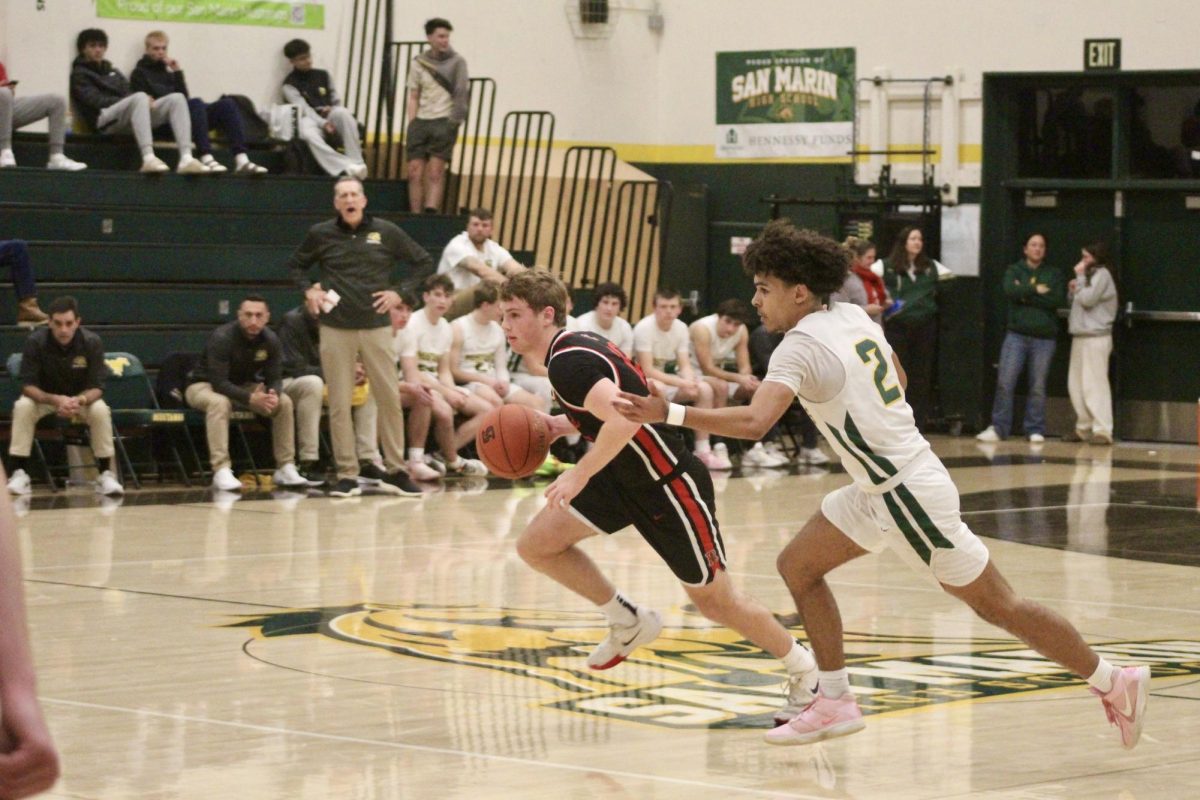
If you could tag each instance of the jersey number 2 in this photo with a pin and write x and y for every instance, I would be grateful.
(869, 351)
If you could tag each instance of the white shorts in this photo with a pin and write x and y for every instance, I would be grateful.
(476, 387)
(534, 384)
(918, 519)
(731, 389)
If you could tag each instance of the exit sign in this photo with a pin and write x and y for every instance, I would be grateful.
(1101, 54)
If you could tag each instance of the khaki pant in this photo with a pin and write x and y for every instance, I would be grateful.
(26, 414)
(218, 408)
(308, 395)
(340, 349)
(366, 431)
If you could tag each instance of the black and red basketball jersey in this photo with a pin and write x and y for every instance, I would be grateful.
(576, 361)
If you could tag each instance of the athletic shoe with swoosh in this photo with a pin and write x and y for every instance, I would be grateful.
(1125, 705)
(624, 639)
(823, 718)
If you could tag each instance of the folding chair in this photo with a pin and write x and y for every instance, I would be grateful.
(135, 410)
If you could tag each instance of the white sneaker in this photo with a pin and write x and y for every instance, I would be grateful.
(192, 166)
(214, 166)
(988, 434)
(1037, 438)
(60, 161)
(467, 467)
(358, 171)
(420, 471)
(433, 462)
(153, 165)
(107, 484)
(224, 480)
(19, 483)
(287, 476)
(799, 691)
(814, 456)
(759, 456)
(624, 639)
(7, 159)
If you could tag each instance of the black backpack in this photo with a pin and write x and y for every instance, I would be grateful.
(257, 130)
(173, 379)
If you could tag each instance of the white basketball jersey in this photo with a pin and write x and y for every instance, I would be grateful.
(482, 346)
(723, 350)
(868, 421)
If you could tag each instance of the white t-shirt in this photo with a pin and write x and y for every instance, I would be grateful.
(839, 364)
(433, 340)
(404, 344)
(484, 347)
(723, 350)
(461, 247)
(665, 346)
(621, 332)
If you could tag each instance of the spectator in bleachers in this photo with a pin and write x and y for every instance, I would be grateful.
(473, 256)
(303, 381)
(434, 339)
(14, 254)
(63, 372)
(660, 346)
(17, 112)
(720, 351)
(322, 114)
(159, 75)
(439, 92)
(103, 97)
(479, 354)
(606, 320)
(242, 367)
(357, 253)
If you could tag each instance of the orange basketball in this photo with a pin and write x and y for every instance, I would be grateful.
(513, 441)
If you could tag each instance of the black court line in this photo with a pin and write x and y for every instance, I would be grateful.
(145, 592)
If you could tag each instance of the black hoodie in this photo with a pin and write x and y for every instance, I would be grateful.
(153, 78)
(95, 87)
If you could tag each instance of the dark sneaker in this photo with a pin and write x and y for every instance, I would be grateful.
(312, 474)
(346, 487)
(399, 483)
(369, 474)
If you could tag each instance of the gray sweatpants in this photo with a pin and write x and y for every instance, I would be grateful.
(134, 114)
(17, 112)
(331, 160)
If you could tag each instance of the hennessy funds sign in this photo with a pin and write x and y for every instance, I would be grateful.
(785, 103)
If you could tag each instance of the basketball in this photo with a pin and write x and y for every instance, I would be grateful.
(513, 441)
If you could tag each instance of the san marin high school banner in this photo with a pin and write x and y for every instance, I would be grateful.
(229, 12)
(785, 103)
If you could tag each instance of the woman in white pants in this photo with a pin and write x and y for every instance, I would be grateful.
(1093, 311)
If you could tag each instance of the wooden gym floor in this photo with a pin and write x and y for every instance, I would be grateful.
(380, 649)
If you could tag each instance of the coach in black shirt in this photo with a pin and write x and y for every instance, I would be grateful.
(242, 367)
(62, 372)
(356, 254)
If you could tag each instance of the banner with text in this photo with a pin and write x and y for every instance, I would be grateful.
(785, 103)
(226, 12)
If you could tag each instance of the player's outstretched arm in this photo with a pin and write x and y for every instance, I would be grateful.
(749, 422)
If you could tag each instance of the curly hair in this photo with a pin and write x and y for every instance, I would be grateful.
(795, 255)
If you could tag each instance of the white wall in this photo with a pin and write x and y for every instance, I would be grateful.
(638, 86)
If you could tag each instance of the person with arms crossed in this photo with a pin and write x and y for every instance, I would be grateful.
(62, 373)
(439, 92)
(840, 366)
(634, 474)
(28, 761)
(661, 348)
(473, 256)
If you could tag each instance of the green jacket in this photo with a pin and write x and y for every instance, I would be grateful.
(918, 291)
(1031, 313)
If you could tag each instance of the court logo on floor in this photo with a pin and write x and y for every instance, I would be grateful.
(695, 675)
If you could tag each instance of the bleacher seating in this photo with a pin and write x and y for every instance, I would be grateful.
(158, 261)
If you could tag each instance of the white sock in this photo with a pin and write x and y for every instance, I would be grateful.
(1102, 679)
(184, 156)
(833, 684)
(147, 153)
(572, 438)
(619, 610)
(241, 159)
(416, 454)
(798, 659)
(207, 158)
(702, 446)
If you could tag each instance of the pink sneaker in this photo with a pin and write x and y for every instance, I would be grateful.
(823, 718)
(714, 460)
(1125, 705)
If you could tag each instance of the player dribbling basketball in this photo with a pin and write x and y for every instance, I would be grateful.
(635, 474)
